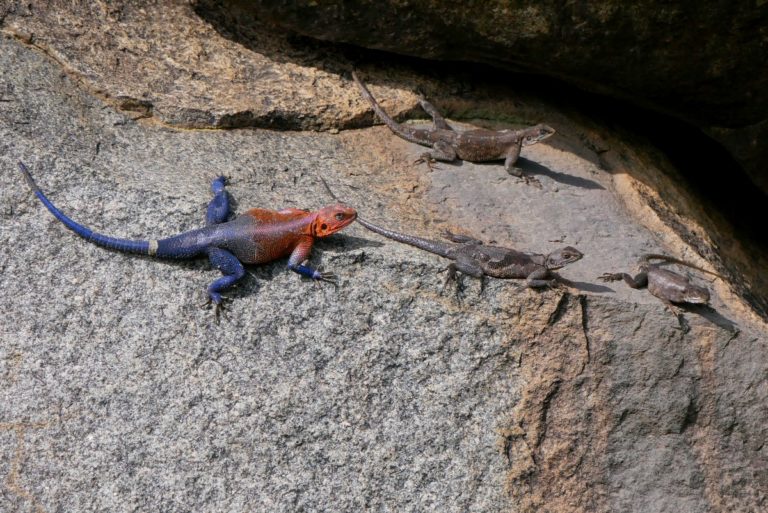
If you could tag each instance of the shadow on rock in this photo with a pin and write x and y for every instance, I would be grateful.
(713, 316)
(534, 168)
(587, 287)
(344, 243)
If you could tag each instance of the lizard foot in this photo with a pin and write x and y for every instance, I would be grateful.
(530, 180)
(429, 161)
(452, 276)
(326, 276)
(678, 313)
(218, 306)
(554, 285)
(609, 277)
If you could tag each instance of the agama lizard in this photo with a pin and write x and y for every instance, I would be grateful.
(478, 145)
(255, 237)
(473, 257)
(666, 285)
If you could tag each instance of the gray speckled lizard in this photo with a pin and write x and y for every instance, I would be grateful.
(470, 256)
(478, 145)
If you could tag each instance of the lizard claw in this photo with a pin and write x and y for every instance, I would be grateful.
(429, 161)
(531, 180)
(555, 285)
(452, 276)
(218, 306)
(327, 276)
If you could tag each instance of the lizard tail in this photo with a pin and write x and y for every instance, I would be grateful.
(142, 247)
(438, 248)
(433, 246)
(667, 258)
(393, 125)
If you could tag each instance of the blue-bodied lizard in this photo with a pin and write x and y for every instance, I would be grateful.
(258, 236)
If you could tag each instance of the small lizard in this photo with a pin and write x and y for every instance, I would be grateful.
(478, 145)
(473, 257)
(258, 236)
(666, 285)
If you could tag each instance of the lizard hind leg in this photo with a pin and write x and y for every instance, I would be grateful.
(218, 209)
(437, 118)
(461, 239)
(441, 151)
(232, 270)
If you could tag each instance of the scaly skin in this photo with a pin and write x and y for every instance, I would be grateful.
(669, 286)
(470, 256)
(258, 236)
(477, 145)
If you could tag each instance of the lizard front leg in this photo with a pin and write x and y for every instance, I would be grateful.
(437, 118)
(218, 208)
(540, 278)
(299, 258)
(512, 155)
(441, 151)
(638, 282)
(465, 266)
(232, 270)
(509, 164)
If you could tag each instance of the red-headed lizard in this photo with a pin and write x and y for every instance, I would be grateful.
(256, 237)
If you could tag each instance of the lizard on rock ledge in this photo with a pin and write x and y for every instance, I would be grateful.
(478, 145)
(258, 236)
(473, 257)
(666, 285)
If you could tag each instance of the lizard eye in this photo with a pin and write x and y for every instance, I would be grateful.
(339, 216)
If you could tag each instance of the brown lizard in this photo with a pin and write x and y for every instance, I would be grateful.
(477, 145)
(473, 257)
(669, 286)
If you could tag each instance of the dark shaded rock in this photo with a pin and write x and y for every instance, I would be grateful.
(703, 62)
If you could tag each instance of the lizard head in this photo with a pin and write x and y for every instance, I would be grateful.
(562, 257)
(331, 219)
(537, 133)
(695, 295)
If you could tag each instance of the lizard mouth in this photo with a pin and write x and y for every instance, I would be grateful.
(348, 220)
(349, 216)
(697, 296)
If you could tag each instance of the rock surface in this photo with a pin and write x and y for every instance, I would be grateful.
(703, 62)
(119, 393)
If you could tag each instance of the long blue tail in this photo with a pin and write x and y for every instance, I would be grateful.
(141, 247)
